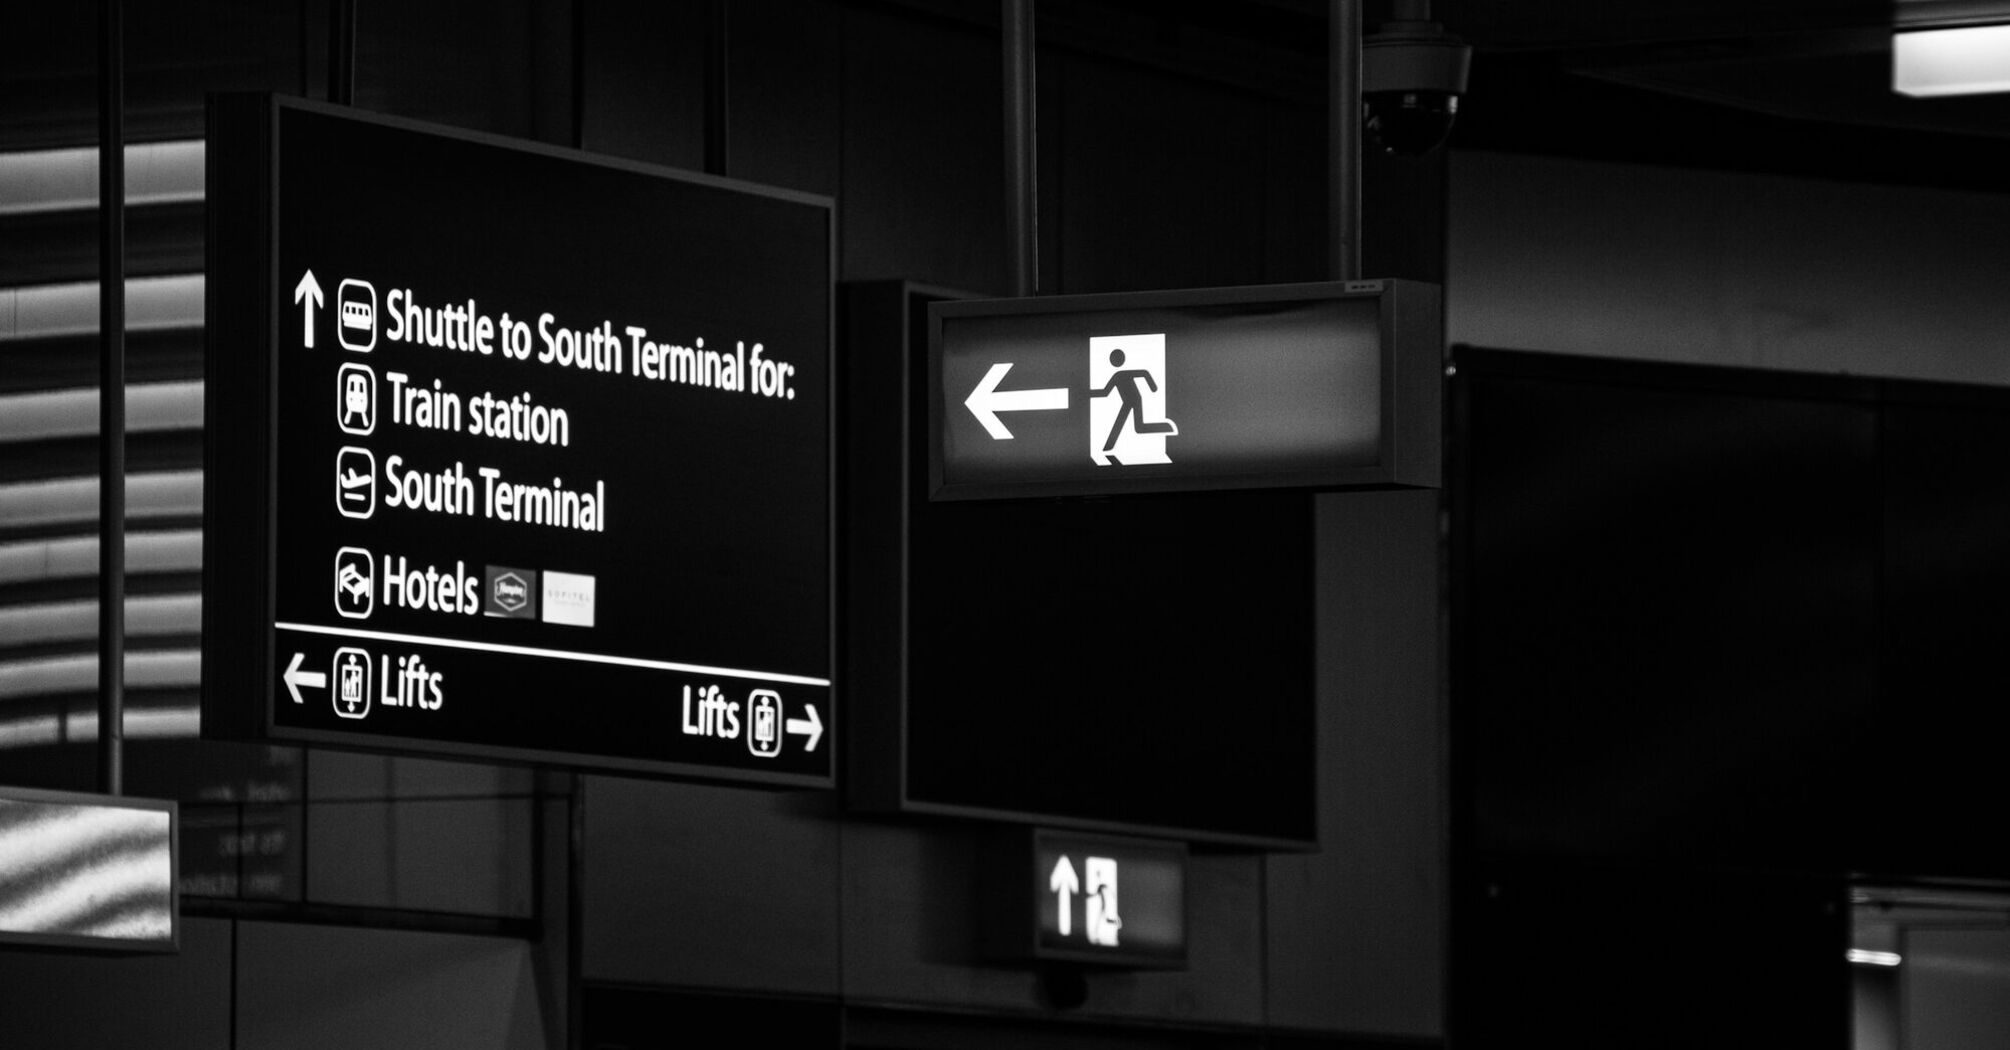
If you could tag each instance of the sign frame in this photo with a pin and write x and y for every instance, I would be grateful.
(244, 309)
(1409, 447)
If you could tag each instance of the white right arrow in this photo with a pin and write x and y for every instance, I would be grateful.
(987, 401)
(295, 678)
(812, 727)
(308, 293)
(1063, 883)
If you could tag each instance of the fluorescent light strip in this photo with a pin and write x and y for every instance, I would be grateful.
(1865, 957)
(45, 311)
(71, 557)
(40, 623)
(67, 179)
(49, 675)
(1936, 63)
(48, 414)
(60, 501)
(81, 726)
(31, 731)
(144, 723)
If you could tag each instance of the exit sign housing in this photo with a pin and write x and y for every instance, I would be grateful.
(1096, 900)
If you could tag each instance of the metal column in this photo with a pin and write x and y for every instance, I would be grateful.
(111, 397)
(1022, 170)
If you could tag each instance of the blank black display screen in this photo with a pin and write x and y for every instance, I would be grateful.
(1665, 640)
(1141, 661)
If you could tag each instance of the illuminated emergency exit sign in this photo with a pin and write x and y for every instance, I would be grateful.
(1333, 385)
(1101, 900)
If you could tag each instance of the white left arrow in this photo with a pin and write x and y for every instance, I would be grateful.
(987, 401)
(308, 294)
(1063, 884)
(295, 678)
(812, 727)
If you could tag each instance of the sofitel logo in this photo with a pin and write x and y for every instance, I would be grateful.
(569, 598)
(510, 593)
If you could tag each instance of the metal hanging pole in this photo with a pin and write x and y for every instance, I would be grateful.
(111, 398)
(342, 52)
(716, 98)
(1022, 216)
(1344, 138)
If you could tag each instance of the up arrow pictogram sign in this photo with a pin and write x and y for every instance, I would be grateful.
(308, 294)
(1064, 885)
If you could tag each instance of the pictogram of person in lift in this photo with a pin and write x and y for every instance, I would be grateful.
(1124, 383)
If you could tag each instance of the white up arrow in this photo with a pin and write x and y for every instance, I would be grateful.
(812, 727)
(1064, 884)
(308, 293)
(987, 401)
(295, 678)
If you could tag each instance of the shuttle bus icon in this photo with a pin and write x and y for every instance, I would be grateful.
(356, 315)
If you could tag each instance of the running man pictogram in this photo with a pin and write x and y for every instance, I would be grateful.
(1121, 410)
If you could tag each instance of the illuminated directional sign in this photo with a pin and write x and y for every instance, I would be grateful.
(1097, 899)
(514, 452)
(1286, 386)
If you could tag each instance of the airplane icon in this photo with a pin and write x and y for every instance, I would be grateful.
(355, 482)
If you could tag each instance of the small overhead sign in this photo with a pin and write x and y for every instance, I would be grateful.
(1095, 899)
(514, 452)
(1291, 386)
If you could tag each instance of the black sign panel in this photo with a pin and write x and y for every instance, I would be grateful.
(1136, 665)
(1097, 899)
(515, 451)
(1291, 386)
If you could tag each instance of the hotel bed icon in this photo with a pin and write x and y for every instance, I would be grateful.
(355, 586)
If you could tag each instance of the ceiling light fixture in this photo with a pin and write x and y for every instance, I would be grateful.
(1935, 63)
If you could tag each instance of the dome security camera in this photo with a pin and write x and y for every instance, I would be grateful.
(1412, 74)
